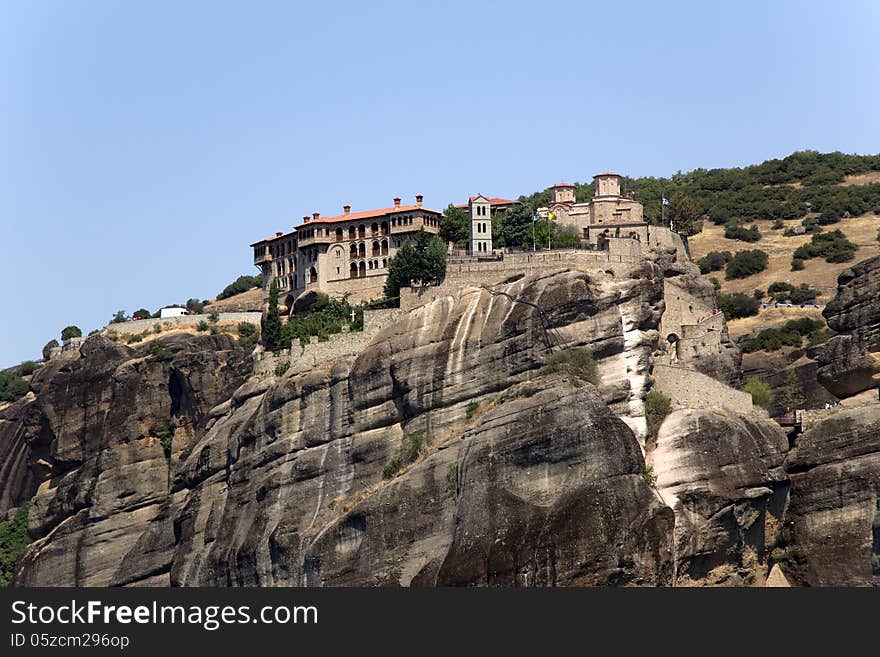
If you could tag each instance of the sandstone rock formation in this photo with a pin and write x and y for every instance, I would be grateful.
(832, 534)
(723, 476)
(525, 477)
(846, 362)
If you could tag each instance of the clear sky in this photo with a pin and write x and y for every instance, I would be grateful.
(144, 145)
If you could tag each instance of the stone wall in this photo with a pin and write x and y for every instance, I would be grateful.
(140, 325)
(337, 346)
(811, 417)
(690, 389)
(473, 272)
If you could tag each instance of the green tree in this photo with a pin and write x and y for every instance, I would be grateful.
(762, 394)
(738, 305)
(69, 332)
(657, 407)
(516, 227)
(27, 368)
(12, 386)
(13, 540)
(434, 260)
(194, 306)
(119, 317)
(454, 226)
(141, 313)
(565, 236)
(686, 216)
(746, 263)
(272, 320)
(239, 285)
(425, 261)
(47, 348)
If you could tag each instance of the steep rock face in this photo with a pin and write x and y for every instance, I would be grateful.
(832, 535)
(94, 439)
(280, 480)
(846, 363)
(545, 490)
(17, 479)
(722, 474)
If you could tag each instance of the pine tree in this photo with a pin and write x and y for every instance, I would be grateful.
(272, 321)
(686, 217)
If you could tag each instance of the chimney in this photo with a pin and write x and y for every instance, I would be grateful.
(396, 201)
(306, 219)
(279, 234)
(315, 216)
(346, 209)
(419, 198)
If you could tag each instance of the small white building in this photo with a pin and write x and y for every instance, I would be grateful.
(174, 311)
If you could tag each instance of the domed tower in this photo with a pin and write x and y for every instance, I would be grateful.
(562, 193)
(607, 185)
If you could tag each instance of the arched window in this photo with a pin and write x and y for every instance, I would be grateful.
(362, 250)
(384, 247)
(339, 234)
(313, 275)
(374, 229)
(353, 270)
(353, 251)
(362, 269)
(362, 231)
(375, 249)
(351, 232)
(384, 227)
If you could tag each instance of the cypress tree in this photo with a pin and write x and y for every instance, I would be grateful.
(272, 320)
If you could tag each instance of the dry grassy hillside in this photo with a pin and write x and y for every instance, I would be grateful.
(817, 273)
(250, 300)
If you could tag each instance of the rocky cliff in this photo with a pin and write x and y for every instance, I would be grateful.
(846, 362)
(446, 453)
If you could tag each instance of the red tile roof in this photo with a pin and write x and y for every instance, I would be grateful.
(367, 214)
(492, 201)
(270, 239)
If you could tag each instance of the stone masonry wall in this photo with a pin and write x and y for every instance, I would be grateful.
(690, 389)
(474, 273)
(337, 346)
(141, 325)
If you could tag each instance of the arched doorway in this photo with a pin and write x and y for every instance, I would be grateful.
(353, 270)
(362, 269)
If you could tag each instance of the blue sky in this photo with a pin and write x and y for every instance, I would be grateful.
(144, 145)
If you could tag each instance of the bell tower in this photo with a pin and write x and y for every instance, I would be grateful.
(481, 225)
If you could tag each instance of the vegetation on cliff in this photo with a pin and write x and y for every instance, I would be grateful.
(13, 540)
(239, 285)
(423, 261)
(12, 386)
